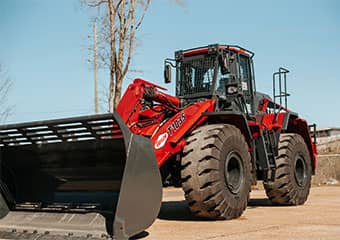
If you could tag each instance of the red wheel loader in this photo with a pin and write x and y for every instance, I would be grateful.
(215, 138)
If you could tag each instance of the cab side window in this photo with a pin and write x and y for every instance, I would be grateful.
(245, 73)
(246, 79)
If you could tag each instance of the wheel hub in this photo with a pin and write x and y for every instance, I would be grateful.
(300, 171)
(233, 172)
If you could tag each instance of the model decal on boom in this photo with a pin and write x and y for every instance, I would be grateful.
(177, 123)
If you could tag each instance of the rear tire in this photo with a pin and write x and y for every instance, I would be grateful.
(294, 172)
(216, 172)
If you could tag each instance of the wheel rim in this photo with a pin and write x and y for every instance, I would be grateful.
(300, 171)
(233, 172)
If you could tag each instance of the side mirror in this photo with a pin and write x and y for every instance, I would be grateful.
(167, 73)
(224, 64)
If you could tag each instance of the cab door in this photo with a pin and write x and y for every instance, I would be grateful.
(246, 78)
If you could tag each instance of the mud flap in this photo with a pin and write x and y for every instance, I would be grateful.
(81, 165)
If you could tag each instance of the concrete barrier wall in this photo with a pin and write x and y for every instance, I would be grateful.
(327, 170)
(328, 162)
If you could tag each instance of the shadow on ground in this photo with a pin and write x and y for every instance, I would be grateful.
(264, 202)
(260, 202)
(140, 235)
(179, 210)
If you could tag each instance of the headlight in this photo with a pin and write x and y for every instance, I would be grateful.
(232, 90)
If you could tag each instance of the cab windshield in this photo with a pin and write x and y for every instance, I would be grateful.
(196, 75)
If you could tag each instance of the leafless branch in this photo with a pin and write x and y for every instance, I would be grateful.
(94, 3)
(117, 38)
(5, 86)
(143, 14)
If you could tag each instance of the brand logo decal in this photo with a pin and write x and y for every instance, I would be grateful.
(161, 140)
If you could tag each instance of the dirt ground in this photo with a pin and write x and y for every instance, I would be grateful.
(319, 218)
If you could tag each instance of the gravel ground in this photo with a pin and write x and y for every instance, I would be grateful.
(319, 218)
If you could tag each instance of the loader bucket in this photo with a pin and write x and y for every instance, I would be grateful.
(81, 165)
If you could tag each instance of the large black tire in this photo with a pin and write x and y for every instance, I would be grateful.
(216, 172)
(294, 172)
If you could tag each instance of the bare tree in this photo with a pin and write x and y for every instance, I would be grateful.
(119, 23)
(5, 86)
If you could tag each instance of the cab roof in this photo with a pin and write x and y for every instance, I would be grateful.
(214, 48)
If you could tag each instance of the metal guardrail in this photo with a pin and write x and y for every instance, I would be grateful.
(312, 130)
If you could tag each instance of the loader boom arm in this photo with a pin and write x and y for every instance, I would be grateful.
(152, 113)
(138, 95)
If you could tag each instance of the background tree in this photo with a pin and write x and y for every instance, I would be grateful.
(117, 38)
(5, 86)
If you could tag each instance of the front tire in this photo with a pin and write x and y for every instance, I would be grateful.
(216, 172)
(293, 174)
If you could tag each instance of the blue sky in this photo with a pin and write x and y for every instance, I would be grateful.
(43, 44)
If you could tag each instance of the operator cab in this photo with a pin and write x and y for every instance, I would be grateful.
(222, 72)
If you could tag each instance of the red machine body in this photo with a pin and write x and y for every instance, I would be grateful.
(166, 124)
